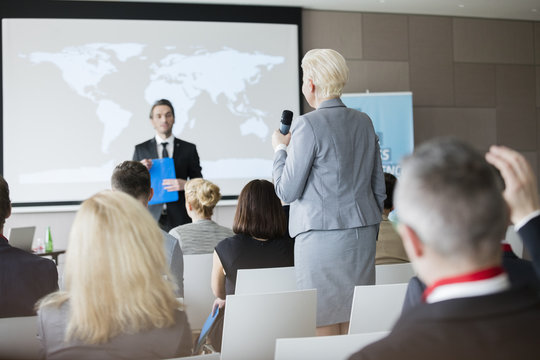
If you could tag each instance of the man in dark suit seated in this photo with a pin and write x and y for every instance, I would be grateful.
(521, 195)
(24, 278)
(452, 216)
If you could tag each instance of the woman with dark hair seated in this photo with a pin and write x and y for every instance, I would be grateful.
(261, 240)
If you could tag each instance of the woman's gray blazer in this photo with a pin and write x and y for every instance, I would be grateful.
(331, 172)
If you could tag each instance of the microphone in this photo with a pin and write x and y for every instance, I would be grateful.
(286, 120)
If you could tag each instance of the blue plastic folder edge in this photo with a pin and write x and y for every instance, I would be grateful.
(162, 169)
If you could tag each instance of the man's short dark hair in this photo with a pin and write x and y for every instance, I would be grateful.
(390, 182)
(5, 203)
(259, 212)
(162, 102)
(133, 178)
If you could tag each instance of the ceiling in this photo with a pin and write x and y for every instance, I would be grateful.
(498, 9)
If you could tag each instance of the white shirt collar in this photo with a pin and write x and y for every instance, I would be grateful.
(170, 146)
(526, 219)
(469, 289)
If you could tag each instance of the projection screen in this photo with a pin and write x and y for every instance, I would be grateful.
(77, 95)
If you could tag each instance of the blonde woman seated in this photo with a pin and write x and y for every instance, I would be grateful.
(117, 303)
(203, 234)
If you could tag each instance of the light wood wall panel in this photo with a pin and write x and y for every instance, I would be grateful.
(474, 85)
(385, 37)
(474, 125)
(341, 31)
(493, 41)
(516, 106)
(430, 60)
(377, 76)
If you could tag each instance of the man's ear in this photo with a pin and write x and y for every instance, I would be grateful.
(9, 211)
(411, 241)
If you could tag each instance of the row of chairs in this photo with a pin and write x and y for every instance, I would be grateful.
(254, 309)
(312, 348)
(266, 312)
(199, 298)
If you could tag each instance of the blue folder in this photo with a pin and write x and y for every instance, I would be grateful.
(162, 169)
(210, 322)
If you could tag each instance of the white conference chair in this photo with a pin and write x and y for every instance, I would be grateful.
(213, 356)
(253, 322)
(18, 338)
(376, 307)
(393, 273)
(198, 296)
(338, 347)
(252, 281)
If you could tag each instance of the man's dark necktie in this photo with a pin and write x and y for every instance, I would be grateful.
(165, 153)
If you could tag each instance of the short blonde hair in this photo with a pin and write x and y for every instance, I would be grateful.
(202, 195)
(117, 280)
(327, 69)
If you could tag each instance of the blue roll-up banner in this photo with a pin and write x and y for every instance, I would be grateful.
(392, 116)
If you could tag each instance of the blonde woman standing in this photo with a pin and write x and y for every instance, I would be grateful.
(202, 235)
(332, 176)
(117, 303)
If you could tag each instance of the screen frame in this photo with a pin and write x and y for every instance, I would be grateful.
(119, 10)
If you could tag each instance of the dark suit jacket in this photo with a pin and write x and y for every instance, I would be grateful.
(24, 279)
(499, 326)
(530, 234)
(186, 165)
(520, 273)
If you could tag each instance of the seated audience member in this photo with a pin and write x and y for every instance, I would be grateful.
(202, 235)
(520, 272)
(261, 241)
(452, 216)
(133, 178)
(117, 303)
(389, 248)
(24, 277)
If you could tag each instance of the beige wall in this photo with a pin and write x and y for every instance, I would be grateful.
(476, 79)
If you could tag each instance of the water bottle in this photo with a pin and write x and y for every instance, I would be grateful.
(48, 240)
(40, 246)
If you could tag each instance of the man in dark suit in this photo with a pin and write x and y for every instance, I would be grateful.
(186, 163)
(452, 216)
(520, 273)
(521, 195)
(24, 278)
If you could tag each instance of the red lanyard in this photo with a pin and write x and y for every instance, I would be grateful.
(506, 247)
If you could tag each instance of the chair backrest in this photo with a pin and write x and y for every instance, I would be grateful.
(213, 356)
(198, 296)
(253, 322)
(393, 273)
(18, 338)
(324, 347)
(252, 281)
(376, 307)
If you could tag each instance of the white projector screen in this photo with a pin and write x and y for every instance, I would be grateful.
(77, 95)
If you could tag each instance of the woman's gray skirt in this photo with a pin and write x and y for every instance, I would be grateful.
(334, 262)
